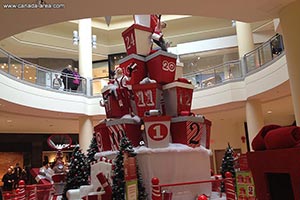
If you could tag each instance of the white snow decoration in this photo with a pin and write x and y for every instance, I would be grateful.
(147, 80)
(136, 118)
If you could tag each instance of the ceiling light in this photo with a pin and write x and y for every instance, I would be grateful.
(9, 121)
(30, 77)
(2, 66)
(16, 67)
(269, 111)
(26, 71)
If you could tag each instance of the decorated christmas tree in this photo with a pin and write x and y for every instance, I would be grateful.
(119, 173)
(93, 149)
(227, 164)
(78, 171)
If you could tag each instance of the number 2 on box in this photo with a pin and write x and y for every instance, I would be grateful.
(192, 140)
(129, 40)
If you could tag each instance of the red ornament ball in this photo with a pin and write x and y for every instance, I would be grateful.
(202, 197)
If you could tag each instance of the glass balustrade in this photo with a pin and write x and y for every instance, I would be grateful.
(213, 76)
(233, 70)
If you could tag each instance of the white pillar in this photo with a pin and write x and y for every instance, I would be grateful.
(244, 38)
(254, 117)
(86, 131)
(289, 20)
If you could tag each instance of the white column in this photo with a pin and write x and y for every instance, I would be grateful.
(244, 38)
(85, 48)
(86, 131)
(254, 117)
(289, 20)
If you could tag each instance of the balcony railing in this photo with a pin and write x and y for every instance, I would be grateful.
(227, 72)
(239, 69)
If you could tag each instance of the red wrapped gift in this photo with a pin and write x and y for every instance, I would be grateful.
(102, 136)
(147, 97)
(117, 104)
(121, 127)
(161, 66)
(134, 67)
(183, 93)
(158, 131)
(192, 131)
(137, 39)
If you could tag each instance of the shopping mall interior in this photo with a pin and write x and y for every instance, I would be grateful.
(232, 40)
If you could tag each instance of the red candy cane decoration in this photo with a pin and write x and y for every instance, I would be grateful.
(102, 179)
(156, 190)
(229, 187)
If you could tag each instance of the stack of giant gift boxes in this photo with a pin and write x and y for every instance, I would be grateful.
(150, 92)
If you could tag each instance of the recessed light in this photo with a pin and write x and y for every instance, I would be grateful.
(9, 121)
(269, 111)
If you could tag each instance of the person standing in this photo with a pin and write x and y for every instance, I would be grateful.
(76, 80)
(8, 180)
(67, 77)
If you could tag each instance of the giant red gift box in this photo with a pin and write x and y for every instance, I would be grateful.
(147, 97)
(157, 131)
(116, 107)
(161, 66)
(190, 130)
(178, 97)
(137, 39)
(124, 127)
(102, 136)
(139, 71)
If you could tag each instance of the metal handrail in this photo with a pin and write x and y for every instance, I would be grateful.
(242, 68)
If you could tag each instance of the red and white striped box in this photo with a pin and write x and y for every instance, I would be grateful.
(157, 131)
(161, 66)
(147, 97)
(115, 107)
(178, 97)
(137, 39)
(124, 127)
(102, 136)
(190, 130)
(138, 63)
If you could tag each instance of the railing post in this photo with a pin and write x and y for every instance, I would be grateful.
(6, 196)
(229, 186)
(156, 190)
(243, 65)
(88, 87)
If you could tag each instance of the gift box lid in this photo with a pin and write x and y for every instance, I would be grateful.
(136, 26)
(156, 118)
(160, 52)
(178, 84)
(200, 119)
(121, 121)
(132, 56)
(146, 86)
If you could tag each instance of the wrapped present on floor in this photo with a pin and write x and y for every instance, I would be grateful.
(157, 131)
(147, 97)
(116, 101)
(134, 67)
(102, 136)
(161, 66)
(137, 39)
(178, 97)
(124, 126)
(190, 130)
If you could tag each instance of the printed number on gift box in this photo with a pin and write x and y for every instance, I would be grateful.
(145, 98)
(194, 133)
(168, 66)
(158, 131)
(129, 41)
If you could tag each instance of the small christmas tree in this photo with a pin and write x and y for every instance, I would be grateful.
(93, 149)
(78, 171)
(119, 176)
(227, 164)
